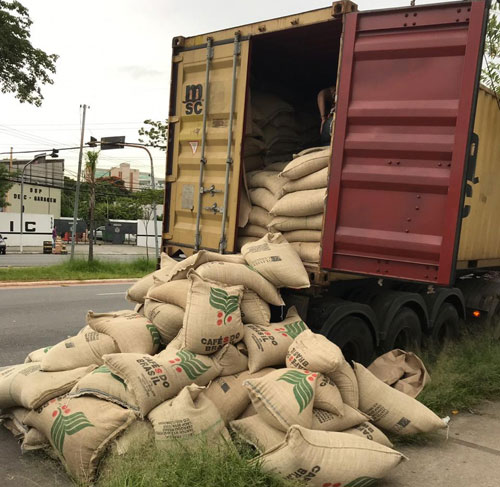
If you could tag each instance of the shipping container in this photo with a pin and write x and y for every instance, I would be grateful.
(411, 200)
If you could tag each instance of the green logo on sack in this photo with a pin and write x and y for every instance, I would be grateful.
(302, 389)
(361, 482)
(188, 363)
(292, 330)
(155, 334)
(220, 299)
(66, 424)
(103, 369)
(45, 350)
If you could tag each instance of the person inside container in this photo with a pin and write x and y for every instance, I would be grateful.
(326, 106)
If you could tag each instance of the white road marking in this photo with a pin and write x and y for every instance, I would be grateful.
(109, 294)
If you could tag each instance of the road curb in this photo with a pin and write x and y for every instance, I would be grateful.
(4, 284)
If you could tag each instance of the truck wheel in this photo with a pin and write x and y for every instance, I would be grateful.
(446, 326)
(404, 332)
(353, 336)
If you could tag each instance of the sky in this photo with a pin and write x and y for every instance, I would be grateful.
(114, 56)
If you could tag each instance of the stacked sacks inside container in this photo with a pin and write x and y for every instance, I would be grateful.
(211, 360)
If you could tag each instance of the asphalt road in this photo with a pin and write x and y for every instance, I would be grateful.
(29, 319)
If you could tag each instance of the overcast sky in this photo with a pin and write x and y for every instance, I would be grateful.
(115, 56)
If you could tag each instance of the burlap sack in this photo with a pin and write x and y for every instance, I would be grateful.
(402, 370)
(87, 328)
(27, 386)
(173, 292)
(253, 231)
(237, 274)
(267, 345)
(324, 420)
(284, 397)
(244, 240)
(166, 317)
(276, 166)
(153, 380)
(303, 236)
(35, 440)
(189, 418)
(393, 410)
(102, 383)
(370, 432)
(132, 332)
(255, 431)
(139, 309)
(229, 395)
(259, 216)
(315, 352)
(78, 351)
(307, 164)
(253, 146)
(328, 459)
(266, 107)
(249, 411)
(232, 359)
(254, 309)
(37, 355)
(262, 197)
(309, 150)
(139, 433)
(266, 179)
(315, 180)
(291, 223)
(252, 163)
(166, 261)
(181, 269)
(274, 258)
(308, 251)
(13, 420)
(328, 395)
(80, 429)
(300, 203)
(212, 318)
(137, 292)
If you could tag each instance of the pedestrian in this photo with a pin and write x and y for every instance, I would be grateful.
(54, 237)
(326, 106)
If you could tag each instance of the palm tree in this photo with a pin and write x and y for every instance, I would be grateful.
(90, 166)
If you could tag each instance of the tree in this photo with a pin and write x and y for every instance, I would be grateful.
(5, 185)
(23, 68)
(90, 166)
(156, 134)
(490, 74)
(148, 199)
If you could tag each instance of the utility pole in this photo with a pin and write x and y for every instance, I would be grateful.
(10, 172)
(77, 192)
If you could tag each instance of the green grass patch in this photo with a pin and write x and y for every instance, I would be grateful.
(207, 466)
(463, 374)
(80, 269)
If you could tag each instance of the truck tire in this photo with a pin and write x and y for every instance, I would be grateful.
(404, 332)
(353, 336)
(447, 325)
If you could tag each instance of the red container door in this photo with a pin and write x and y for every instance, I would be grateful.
(405, 101)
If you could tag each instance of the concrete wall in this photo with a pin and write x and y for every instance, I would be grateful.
(37, 199)
(142, 241)
(37, 228)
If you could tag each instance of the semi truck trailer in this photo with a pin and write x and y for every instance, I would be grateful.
(410, 240)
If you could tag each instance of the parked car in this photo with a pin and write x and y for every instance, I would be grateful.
(3, 245)
(99, 232)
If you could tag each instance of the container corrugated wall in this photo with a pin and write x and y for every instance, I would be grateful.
(480, 236)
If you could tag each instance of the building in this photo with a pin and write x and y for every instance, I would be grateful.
(43, 185)
(129, 176)
(145, 181)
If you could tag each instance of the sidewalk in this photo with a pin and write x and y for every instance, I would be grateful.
(470, 455)
(83, 249)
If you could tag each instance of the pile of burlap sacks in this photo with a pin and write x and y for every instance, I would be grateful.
(288, 198)
(199, 358)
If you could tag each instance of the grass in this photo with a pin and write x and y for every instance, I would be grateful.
(463, 374)
(79, 269)
(207, 466)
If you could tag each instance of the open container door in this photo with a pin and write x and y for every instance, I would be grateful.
(405, 102)
(206, 122)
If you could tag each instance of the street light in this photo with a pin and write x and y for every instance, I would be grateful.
(118, 143)
(38, 156)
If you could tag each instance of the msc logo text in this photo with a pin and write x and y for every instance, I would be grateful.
(193, 101)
